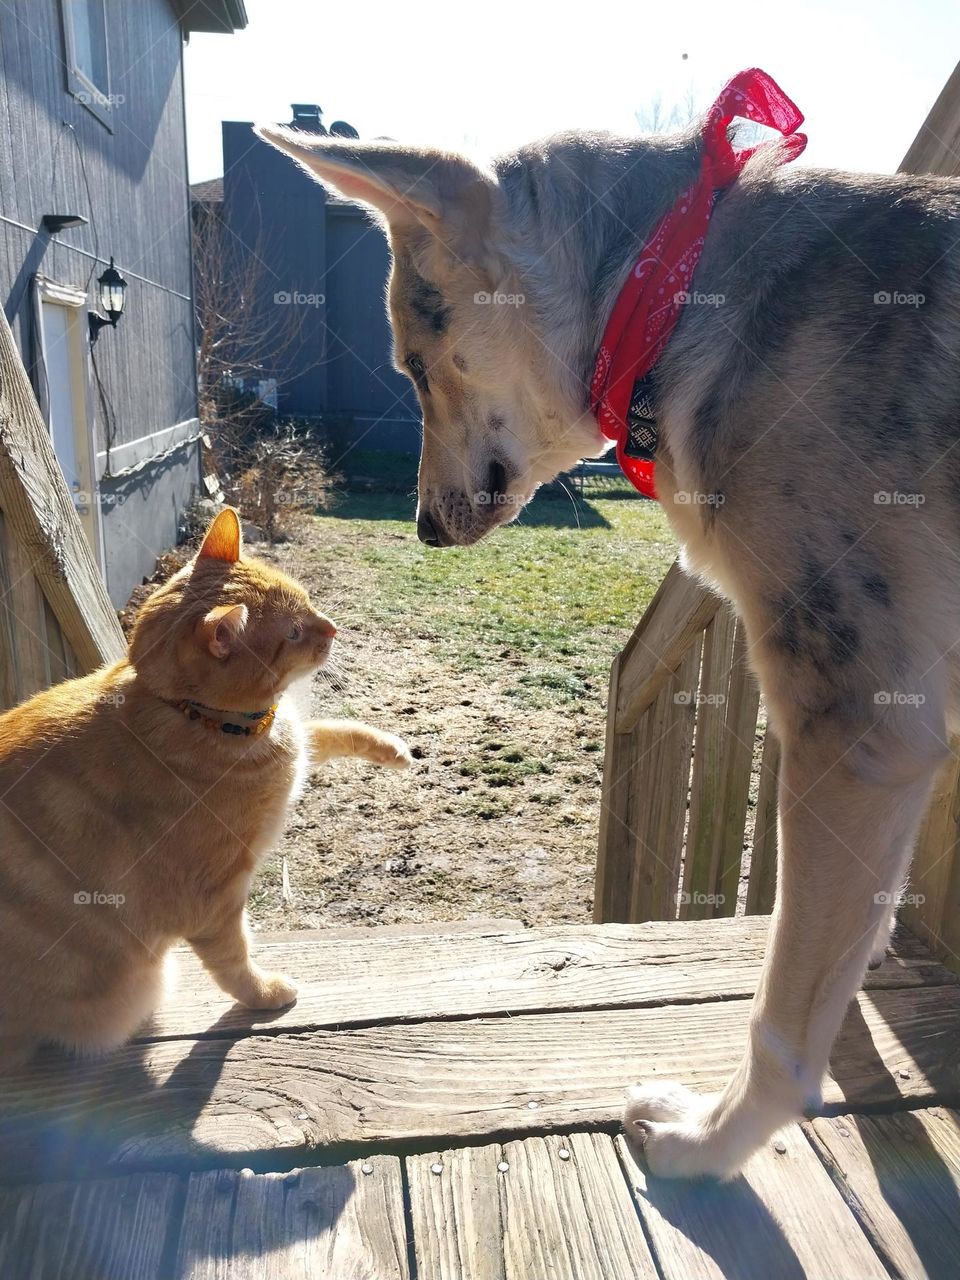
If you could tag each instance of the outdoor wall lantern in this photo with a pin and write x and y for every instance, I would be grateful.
(111, 286)
(54, 223)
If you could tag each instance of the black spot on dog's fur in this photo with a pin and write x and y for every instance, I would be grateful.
(818, 589)
(844, 643)
(877, 588)
(427, 302)
(786, 632)
(811, 626)
(533, 195)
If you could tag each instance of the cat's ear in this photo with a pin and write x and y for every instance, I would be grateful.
(222, 541)
(220, 631)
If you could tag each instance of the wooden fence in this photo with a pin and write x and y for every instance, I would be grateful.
(56, 618)
(688, 825)
(682, 742)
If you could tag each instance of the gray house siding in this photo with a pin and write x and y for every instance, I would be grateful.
(310, 245)
(128, 177)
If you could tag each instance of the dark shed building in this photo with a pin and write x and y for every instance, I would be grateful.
(324, 255)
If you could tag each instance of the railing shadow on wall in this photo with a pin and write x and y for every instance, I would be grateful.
(688, 826)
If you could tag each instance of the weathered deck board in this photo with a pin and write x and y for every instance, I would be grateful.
(901, 1175)
(359, 980)
(111, 1229)
(457, 1213)
(523, 1211)
(311, 1224)
(782, 1217)
(570, 1217)
(220, 1101)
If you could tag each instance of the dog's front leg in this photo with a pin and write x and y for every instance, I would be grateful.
(849, 813)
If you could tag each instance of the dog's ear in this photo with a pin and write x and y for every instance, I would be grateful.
(405, 185)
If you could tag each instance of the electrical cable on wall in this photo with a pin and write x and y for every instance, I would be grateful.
(109, 417)
(108, 414)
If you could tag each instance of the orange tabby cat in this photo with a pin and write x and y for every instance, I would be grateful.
(137, 802)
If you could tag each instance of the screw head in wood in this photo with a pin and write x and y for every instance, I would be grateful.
(563, 1153)
(780, 1147)
(366, 1169)
(437, 1169)
(503, 1167)
(532, 1106)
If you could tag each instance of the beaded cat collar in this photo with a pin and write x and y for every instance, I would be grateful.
(648, 306)
(254, 723)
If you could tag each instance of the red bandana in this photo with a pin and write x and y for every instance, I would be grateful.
(649, 304)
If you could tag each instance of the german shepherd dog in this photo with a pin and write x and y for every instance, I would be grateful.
(817, 389)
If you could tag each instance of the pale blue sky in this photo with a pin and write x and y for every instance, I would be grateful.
(487, 76)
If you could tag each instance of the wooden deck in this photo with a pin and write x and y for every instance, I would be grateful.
(445, 1105)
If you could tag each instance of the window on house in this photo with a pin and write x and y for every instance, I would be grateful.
(88, 70)
(61, 375)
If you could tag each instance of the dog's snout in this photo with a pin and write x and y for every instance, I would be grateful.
(427, 531)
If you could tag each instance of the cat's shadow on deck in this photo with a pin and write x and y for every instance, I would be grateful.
(127, 1113)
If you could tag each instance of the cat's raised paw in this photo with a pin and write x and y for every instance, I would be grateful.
(390, 752)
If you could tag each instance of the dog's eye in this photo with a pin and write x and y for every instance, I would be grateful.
(418, 372)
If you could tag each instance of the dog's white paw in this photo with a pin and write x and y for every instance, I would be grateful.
(672, 1127)
(661, 1100)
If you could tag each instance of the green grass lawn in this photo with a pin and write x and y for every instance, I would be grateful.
(561, 588)
(492, 662)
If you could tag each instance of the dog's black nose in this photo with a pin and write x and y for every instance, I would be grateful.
(427, 530)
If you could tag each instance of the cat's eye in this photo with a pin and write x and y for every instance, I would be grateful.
(295, 632)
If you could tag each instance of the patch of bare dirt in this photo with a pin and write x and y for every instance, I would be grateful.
(499, 815)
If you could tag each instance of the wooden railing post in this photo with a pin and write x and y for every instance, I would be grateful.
(45, 544)
(681, 727)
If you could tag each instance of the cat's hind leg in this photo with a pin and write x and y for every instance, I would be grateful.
(102, 1021)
